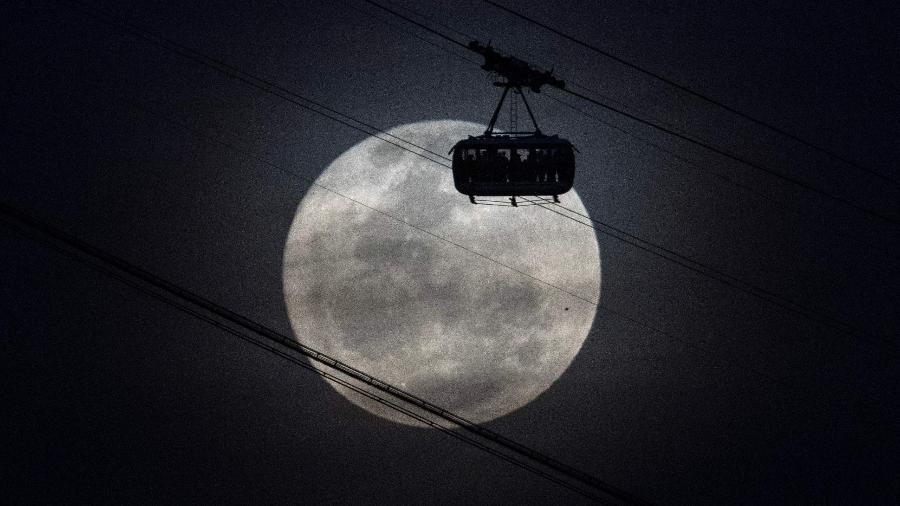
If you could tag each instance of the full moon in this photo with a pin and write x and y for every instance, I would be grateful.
(475, 308)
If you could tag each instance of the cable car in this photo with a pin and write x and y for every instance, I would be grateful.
(513, 163)
(509, 165)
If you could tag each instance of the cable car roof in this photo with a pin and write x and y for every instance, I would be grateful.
(505, 139)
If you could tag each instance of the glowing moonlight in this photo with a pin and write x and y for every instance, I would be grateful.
(478, 335)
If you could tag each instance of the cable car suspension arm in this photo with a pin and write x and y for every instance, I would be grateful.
(506, 87)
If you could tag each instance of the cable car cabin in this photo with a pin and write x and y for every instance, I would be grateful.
(504, 165)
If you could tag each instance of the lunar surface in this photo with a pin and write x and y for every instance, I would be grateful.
(462, 312)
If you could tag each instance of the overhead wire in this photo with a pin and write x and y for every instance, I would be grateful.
(785, 177)
(672, 132)
(428, 18)
(325, 374)
(692, 92)
(617, 313)
(195, 300)
(420, 25)
(726, 279)
(643, 324)
(593, 302)
(753, 290)
(199, 57)
(700, 170)
(399, 146)
(359, 375)
(395, 26)
(420, 403)
(625, 131)
(431, 19)
(260, 83)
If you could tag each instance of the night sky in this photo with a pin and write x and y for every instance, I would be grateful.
(687, 391)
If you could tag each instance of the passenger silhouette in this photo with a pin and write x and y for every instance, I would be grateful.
(515, 167)
(502, 165)
(531, 164)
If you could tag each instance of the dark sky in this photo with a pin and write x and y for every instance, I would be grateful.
(116, 397)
